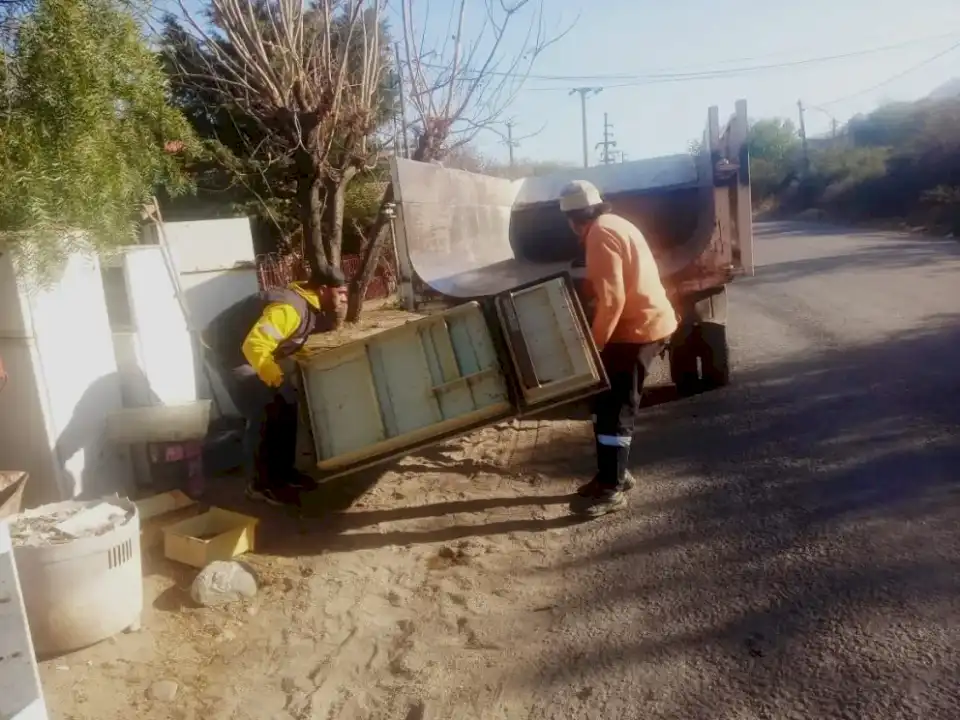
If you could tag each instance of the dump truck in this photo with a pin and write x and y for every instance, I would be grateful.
(464, 236)
(511, 336)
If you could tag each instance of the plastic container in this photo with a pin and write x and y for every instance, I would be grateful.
(80, 592)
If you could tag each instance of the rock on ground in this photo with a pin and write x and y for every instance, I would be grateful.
(222, 582)
(164, 690)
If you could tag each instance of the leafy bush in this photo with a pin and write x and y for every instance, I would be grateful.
(774, 150)
(901, 161)
(85, 126)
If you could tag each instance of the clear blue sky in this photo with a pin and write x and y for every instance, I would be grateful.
(633, 37)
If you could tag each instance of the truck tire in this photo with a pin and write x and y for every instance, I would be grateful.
(700, 353)
(684, 371)
(714, 355)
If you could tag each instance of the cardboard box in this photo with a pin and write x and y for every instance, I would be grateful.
(217, 534)
(160, 511)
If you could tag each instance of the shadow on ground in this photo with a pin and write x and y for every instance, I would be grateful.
(793, 550)
(335, 509)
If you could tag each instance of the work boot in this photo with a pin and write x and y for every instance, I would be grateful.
(603, 503)
(277, 497)
(302, 481)
(611, 471)
(590, 489)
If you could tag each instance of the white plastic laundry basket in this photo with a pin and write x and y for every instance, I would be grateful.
(80, 592)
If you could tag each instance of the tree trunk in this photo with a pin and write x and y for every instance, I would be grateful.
(311, 211)
(336, 197)
(371, 256)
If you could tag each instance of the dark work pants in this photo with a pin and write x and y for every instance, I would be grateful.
(270, 437)
(615, 410)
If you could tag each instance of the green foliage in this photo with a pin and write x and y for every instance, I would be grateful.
(901, 161)
(84, 122)
(774, 148)
(849, 163)
(363, 198)
(774, 140)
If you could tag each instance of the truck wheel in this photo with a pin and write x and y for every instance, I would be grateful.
(683, 361)
(699, 354)
(714, 354)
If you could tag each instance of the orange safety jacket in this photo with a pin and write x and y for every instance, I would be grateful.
(631, 301)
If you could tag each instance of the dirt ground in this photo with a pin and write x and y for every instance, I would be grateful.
(407, 605)
(413, 591)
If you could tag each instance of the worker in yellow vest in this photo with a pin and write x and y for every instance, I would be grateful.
(248, 344)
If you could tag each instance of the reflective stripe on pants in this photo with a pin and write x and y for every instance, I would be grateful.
(616, 409)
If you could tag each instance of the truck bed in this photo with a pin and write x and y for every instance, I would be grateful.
(464, 234)
(467, 235)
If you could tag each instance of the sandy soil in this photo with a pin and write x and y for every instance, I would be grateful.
(405, 592)
(409, 604)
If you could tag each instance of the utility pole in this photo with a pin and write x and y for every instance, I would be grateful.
(510, 142)
(403, 105)
(803, 141)
(606, 156)
(584, 92)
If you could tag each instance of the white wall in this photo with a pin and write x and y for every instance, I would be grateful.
(215, 264)
(58, 349)
(202, 245)
(23, 434)
(164, 350)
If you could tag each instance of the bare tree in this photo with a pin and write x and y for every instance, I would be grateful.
(310, 78)
(463, 87)
(459, 89)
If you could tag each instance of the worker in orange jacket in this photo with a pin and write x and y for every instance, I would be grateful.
(632, 324)
(248, 344)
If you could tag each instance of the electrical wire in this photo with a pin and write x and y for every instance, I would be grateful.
(739, 72)
(672, 75)
(891, 79)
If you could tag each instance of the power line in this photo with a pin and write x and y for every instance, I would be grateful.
(736, 72)
(671, 74)
(894, 77)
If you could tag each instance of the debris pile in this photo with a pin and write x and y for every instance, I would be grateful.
(65, 522)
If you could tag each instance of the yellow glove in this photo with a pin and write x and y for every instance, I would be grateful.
(271, 374)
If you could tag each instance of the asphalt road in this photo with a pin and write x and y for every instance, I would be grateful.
(792, 550)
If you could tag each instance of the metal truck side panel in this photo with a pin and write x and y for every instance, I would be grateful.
(466, 235)
(473, 365)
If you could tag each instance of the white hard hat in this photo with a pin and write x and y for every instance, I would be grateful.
(579, 195)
